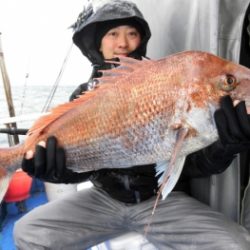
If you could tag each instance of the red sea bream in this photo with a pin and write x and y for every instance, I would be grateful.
(150, 111)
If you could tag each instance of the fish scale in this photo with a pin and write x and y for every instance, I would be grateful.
(142, 112)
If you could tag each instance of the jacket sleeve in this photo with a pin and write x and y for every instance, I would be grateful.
(203, 163)
(73, 177)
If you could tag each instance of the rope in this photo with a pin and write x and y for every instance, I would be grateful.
(24, 93)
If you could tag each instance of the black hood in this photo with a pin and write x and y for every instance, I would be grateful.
(85, 28)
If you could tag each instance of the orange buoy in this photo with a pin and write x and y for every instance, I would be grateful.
(19, 187)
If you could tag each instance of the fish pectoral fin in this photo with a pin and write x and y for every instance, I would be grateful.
(172, 178)
(171, 170)
(162, 169)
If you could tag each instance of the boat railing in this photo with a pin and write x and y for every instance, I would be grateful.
(6, 126)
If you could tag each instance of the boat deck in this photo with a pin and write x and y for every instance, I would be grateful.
(14, 211)
(11, 212)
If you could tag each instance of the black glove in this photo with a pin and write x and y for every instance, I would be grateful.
(233, 125)
(48, 164)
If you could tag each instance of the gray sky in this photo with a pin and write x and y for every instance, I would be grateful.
(36, 39)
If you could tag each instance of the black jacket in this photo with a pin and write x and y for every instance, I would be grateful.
(137, 183)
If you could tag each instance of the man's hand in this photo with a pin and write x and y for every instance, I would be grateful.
(233, 125)
(48, 164)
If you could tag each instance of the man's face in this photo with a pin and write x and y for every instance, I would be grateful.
(120, 41)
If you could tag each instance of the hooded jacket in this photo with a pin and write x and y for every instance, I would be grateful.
(137, 183)
(87, 28)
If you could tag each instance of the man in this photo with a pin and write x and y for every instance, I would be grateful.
(122, 199)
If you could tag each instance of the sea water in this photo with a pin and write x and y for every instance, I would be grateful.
(29, 100)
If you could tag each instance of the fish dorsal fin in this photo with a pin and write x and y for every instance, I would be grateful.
(110, 77)
(126, 66)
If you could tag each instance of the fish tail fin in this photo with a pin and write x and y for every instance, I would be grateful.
(10, 161)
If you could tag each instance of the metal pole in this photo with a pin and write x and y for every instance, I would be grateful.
(7, 90)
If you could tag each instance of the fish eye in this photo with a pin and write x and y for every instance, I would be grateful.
(230, 80)
(228, 83)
